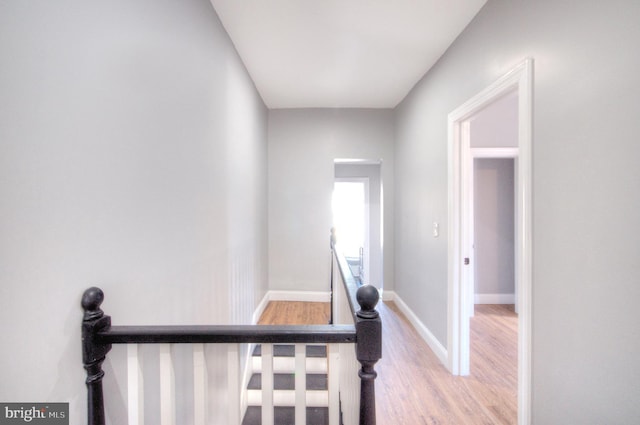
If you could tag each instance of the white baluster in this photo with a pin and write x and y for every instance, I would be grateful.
(167, 386)
(333, 377)
(267, 384)
(233, 385)
(200, 385)
(135, 390)
(301, 384)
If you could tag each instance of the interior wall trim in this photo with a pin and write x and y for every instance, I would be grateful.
(436, 346)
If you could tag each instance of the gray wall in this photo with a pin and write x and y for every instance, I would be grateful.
(133, 157)
(493, 213)
(303, 144)
(496, 126)
(585, 193)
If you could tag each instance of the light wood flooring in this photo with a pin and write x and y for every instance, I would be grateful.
(413, 387)
(295, 313)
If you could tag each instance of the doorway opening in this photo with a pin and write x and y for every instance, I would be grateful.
(350, 204)
(357, 217)
(493, 324)
(493, 206)
(461, 252)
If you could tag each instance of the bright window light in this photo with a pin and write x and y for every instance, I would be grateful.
(348, 205)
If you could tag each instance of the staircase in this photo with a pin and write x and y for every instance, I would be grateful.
(317, 397)
(294, 373)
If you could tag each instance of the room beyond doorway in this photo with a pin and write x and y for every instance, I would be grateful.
(357, 215)
(350, 206)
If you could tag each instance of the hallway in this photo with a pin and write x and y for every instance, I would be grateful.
(413, 387)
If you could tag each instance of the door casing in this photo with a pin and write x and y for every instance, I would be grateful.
(519, 78)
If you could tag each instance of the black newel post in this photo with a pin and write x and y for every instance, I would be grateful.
(368, 350)
(93, 352)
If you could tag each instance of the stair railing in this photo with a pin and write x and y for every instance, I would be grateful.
(355, 303)
(98, 336)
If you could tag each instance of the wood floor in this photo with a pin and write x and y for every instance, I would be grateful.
(413, 387)
(295, 313)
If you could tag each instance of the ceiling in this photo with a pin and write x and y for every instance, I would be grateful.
(341, 53)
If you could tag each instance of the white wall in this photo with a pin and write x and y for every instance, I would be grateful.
(133, 157)
(303, 144)
(585, 194)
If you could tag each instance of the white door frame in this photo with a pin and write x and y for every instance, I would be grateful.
(519, 78)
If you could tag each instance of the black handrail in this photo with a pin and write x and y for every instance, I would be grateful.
(228, 334)
(98, 336)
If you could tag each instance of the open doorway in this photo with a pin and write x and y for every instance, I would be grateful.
(350, 205)
(493, 327)
(494, 231)
(461, 245)
(357, 215)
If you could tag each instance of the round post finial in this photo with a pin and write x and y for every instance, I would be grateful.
(367, 297)
(91, 301)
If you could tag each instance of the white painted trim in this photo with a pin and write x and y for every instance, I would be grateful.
(454, 256)
(468, 233)
(519, 78)
(247, 372)
(287, 398)
(304, 296)
(494, 152)
(267, 384)
(135, 385)
(262, 305)
(525, 227)
(300, 385)
(495, 298)
(167, 386)
(355, 161)
(333, 354)
(200, 386)
(234, 409)
(439, 350)
(387, 295)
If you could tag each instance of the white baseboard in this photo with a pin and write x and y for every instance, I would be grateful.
(433, 343)
(260, 309)
(304, 296)
(387, 295)
(495, 298)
